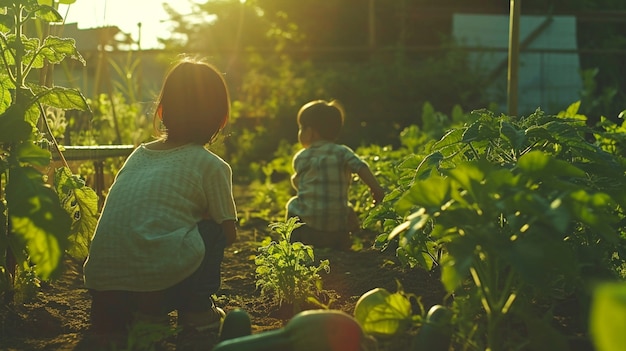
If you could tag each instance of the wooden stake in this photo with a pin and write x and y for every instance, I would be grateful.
(513, 70)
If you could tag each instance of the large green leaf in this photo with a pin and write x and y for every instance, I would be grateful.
(48, 13)
(8, 54)
(51, 2)
(383, 314)
(469, 174)
(464, 249)
(516, 137)
(28, 152)
(30, 56)
(451, 275)
(40, 225)
(6, 86)
(25, 107)
(452, 138)
(13, 128)
(55, 49)
(429, 193)
(594, 210)
(63, 98)
(523, 208)
(428, 165)
(608, 317)
(480, 130)
(542, 165)
(81, 202)
(32, 114)
(45, 250)
(539, 132)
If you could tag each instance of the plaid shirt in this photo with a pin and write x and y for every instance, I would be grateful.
(147, 237)
(323, 173)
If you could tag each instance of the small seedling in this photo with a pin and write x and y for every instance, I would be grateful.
(288, 269)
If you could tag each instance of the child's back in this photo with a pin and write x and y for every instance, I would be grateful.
(323, 174)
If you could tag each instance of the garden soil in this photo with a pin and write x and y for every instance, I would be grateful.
(58, 317)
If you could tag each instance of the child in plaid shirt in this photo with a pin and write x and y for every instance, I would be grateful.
(323, 173)
(168, 216)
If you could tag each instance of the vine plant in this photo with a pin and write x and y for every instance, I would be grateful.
(39, 223)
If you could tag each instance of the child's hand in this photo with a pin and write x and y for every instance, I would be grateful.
(378, 193)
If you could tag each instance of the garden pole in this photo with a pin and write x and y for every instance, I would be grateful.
(513, 72)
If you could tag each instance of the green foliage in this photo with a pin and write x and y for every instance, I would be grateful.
(608, 316)
(268, 201)
(34, 225)
(114, 120)
(81, 203)
(274, 189)
(514, 211)
(395, 167)
(288, 269)
(384, 314)
(382, 93)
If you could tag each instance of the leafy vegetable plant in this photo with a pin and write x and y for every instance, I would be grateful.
(38, 223)
(384, 314)
(524, 212)
(288, 269)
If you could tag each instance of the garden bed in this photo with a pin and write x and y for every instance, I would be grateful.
(58, 318)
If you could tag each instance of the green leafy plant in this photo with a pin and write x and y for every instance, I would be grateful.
(518, 214)
(272, 192)
(38, 222)
(608, 316)
(288, 269)
(384, 314)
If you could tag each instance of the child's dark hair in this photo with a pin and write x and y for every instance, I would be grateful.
(194, 104)
(325, 117)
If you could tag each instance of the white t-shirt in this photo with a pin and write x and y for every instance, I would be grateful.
(147, 237)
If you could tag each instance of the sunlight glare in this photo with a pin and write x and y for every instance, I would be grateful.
(127, 16)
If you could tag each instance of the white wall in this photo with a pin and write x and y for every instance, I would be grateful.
(547, 80)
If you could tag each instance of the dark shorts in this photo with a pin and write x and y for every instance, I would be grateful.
(340, 240)
(113, 311)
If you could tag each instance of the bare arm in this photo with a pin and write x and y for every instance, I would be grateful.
(378, 193)
(230, 231)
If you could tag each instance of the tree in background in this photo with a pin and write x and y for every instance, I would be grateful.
(382, 59)
(279, 54)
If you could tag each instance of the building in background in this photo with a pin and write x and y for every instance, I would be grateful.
(114, 62)
(549, 70)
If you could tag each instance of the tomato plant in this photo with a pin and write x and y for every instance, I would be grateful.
(38, 223)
